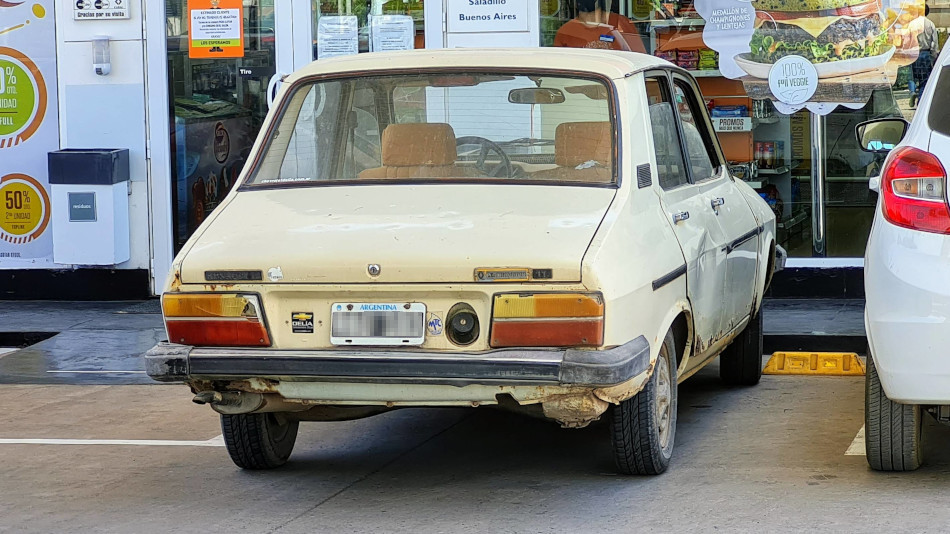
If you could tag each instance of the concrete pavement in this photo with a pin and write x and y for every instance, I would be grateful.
(768, 458)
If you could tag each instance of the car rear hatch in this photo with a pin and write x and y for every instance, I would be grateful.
(415, 233)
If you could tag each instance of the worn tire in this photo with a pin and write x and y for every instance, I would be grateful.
(640, 447)
(891, 430)
(740, 364)
(258, 440)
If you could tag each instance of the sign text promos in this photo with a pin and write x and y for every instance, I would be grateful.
(487, 16)
(215, 28)
(101, 9)
(28, 130)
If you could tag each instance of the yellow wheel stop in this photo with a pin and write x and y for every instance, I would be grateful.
(815, 363)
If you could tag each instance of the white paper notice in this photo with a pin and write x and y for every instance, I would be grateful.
(392, 32)
(337, 36)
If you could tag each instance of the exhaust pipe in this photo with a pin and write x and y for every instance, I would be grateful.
(240, 402)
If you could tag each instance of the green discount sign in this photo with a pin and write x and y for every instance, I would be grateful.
(17, 97)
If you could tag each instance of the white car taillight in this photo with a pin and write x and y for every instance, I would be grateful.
(914, 185)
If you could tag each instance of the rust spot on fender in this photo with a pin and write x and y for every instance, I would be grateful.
(176, 281)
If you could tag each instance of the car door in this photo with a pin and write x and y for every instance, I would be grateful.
(731, 211)
(687, 206)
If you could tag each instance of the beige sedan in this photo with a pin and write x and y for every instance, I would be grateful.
(551, 231)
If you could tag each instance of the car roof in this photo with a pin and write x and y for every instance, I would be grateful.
(613, 64)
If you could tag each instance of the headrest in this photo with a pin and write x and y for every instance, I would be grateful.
(409, 145)
(580, 142)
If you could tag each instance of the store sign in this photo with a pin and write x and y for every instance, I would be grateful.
(215, 28)
(486, 16)
(814, 54)
(101, 9)
(29, 129)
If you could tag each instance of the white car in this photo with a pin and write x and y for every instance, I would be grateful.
(516, 228)
(906, 273)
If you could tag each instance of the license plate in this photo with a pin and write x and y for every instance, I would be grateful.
(377, 323)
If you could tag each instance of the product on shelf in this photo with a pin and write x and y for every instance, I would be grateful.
(730, 111)
(708, 59)
(669, 55)
(769, 193)
(688, 59)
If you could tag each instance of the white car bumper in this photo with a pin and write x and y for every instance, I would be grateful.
(907, 281)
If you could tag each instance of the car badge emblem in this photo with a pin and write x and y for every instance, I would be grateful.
(373, 269)
(274, 274)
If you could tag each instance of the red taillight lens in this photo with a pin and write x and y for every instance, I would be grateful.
(914, 185)
(214, 319)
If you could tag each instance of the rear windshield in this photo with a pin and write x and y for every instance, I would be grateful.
(939, 115)
(460, 126)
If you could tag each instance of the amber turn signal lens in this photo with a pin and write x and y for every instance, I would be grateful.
(209, 319)
(510, 306)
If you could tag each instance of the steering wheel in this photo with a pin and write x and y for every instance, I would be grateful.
(503, 169)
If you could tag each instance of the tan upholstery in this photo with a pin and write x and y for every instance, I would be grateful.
(581, 144)
(418, 151)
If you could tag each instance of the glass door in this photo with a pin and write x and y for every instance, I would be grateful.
(217, 101)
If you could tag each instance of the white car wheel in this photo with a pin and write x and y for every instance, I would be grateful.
(892, 430)
(643, 427)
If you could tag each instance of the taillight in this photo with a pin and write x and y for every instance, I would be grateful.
(216, 319)
(547, 320)
(914, 185)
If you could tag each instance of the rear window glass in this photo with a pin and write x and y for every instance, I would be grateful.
(458, 126)
(939, 116)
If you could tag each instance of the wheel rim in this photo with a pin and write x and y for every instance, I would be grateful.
(664, 401)
(278, 432)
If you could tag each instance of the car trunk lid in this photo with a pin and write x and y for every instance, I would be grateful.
(414, 233)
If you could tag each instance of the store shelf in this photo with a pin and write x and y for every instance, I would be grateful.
(781, 170)
(766, 120)
(757, 184)
(705, 73)
(684, 22)
(793, 220)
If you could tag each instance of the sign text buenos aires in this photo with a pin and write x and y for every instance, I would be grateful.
(487, 16)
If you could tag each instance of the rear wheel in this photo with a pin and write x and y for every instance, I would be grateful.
(259, 440)
(891, 430)
(740, 364)
(643, 427)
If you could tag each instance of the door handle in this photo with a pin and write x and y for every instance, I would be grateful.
(681, 216)
(716, 202)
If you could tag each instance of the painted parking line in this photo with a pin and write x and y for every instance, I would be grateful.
(217, 441)
(857, 445)
(99, 372)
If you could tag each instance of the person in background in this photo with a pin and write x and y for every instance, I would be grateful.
(596, 27)
(929, 49)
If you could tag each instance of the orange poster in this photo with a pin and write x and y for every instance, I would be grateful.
(215, 28)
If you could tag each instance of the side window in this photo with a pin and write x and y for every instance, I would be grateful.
(670, 167)
(699, 143)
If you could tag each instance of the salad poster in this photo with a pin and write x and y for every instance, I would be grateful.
(814, 54)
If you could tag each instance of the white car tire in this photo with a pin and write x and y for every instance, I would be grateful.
(259, 440)
(891, 430)
(643, 427)
(740, 364)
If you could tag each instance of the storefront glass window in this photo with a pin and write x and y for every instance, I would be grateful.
(773, 152)
(215, 111)
(363, 11)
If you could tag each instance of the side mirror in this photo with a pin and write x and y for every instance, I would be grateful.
(880, 135)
